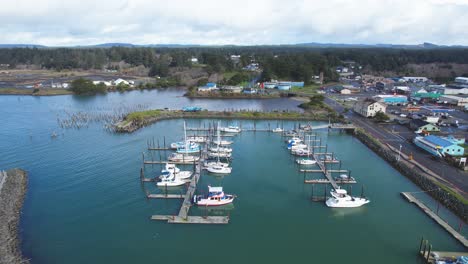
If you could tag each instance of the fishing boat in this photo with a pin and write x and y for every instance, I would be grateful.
(215, 197)
(191, 109)
(341, 199)
(181, 144)
(220, 149)
(230, 129)
(304, 152)
(171, 168)
(189, 148)
(168, 179)
(178, 157)
(277, 130)
(291, 133)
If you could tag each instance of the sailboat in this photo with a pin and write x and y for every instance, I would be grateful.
(307, 161)
(189, 147)
(219, 167)
(230, 129)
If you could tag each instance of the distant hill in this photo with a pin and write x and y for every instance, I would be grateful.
(10, 46)
(425, 45)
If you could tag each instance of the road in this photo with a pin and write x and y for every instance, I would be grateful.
(397, 136)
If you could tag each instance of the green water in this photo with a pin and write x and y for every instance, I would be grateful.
(85, 203)
(97, 212)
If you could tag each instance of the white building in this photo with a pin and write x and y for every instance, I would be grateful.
(415, 79)
(107, 84)
(461, 80)
(452, 90)
(369, 108)
(454, 100)
(120, 80)
(345, 91)
(194, 60)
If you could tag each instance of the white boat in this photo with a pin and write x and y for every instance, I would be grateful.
(181, 144)
(344, 177)
(171, 168)
(196, 139)
(215, 197)
(219, 169)
(169, 180)
(189, 148)
(341, 199)
(177, 157)
(297, 147)
(219, 154)
(330, 159)
(230, 129)
(220, 149)
(306, 161)
(222, 142)
(215, 163)
(301, 152)
(294, 140)
(277, 130)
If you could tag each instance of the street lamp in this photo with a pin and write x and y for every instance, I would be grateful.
(399, 153)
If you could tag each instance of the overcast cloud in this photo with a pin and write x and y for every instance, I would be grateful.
(243, 22)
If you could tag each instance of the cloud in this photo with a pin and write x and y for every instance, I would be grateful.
(85, 22)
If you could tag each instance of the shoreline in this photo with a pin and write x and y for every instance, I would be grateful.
(418, 174)
(12, 195)
(137, 120)
(30, 92)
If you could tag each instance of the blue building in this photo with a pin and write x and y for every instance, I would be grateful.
(207, 87)
(391, 99)
(438, 146)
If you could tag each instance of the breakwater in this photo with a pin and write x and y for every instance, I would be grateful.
(13, 186)
(137, 120)
(417, 174)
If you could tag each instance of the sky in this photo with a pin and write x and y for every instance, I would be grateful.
(239, 22)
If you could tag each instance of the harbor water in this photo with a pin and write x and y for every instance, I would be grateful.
(85, 203)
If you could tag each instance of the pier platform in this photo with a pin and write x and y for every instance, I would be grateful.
(192, 219)
(325, 181)
(436, 218)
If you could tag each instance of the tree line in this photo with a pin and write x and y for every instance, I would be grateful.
(285, 62)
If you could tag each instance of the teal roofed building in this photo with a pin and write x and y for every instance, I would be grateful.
(438, 146)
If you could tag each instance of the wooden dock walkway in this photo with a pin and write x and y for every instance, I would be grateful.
(173, 219)
(339, 171)
(165, 196)
(164, 162)
(325, 181)
(325, 172)
(436, 218)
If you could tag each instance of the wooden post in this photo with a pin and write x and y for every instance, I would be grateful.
(164, 141)
(438, 204)
(424, 248)
(325, 193)
(428, 253)
(460, 225)
(142, 174)
(143, 155)
(420, 245)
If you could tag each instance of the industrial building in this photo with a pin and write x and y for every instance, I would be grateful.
(391, 99)
(438, 146)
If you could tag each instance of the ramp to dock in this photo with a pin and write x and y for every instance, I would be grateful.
(436, 218)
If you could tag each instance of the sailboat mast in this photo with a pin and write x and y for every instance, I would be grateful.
(185, 138)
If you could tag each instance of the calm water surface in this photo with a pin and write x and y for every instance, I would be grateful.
(85, 203)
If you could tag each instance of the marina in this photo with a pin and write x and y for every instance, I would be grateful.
(101, 195)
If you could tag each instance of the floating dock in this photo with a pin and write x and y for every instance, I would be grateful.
(325, 181)
(436, 218)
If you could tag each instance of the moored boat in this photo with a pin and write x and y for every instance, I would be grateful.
(215, 197)
(306, 161)
(168, 179)
(340, 199)
(230, 129)
(277, 130)
(178, 157)
(219, 169)
(220, 149)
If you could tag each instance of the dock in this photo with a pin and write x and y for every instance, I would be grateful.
(325, 172)
(325, 181)
(192, 219)
(339, 171)
(165, 196)
(165, 161)
(436, 218)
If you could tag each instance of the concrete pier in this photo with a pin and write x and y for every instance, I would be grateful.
(436, 218)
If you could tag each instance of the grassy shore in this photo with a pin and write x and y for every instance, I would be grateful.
(137, 120)
(40, 92)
